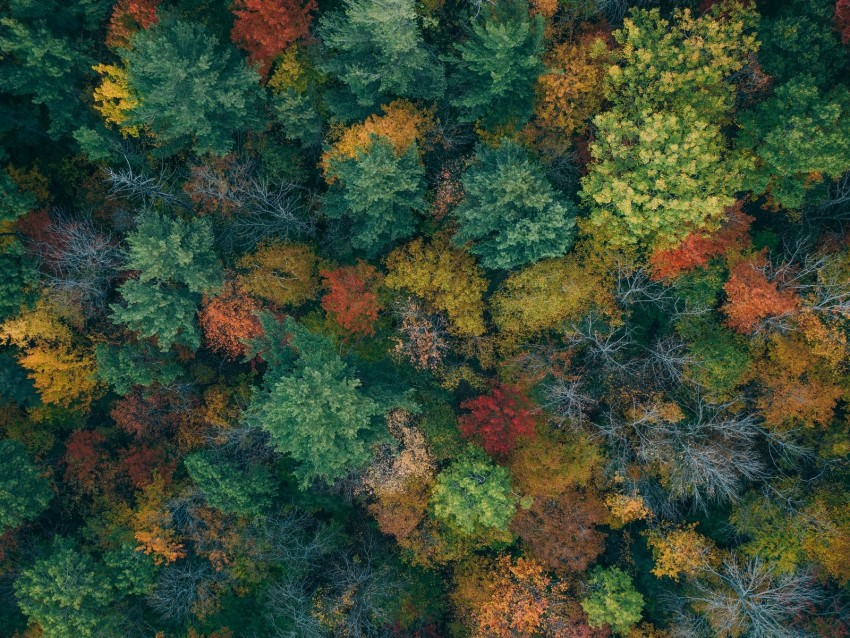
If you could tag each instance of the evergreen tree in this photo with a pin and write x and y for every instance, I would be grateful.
(496, 69)
(314, 409)
(24, 492)
(510, 211)
(379, 192)
(612, 600)
(157, 311)
(376, 50)
(193, 91)
(228, 487)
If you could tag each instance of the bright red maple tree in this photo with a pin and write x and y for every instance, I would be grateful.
(351, 299)
(264, 28)
(498, 419)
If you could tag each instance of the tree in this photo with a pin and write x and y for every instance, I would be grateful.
(680, 551)
(496, 68)
(446, 278)
(379, 192)
(174, 250)
(128, 17)
(750, 598)
(510, 211)
(153, 310)
(66, 594)
(228, 320)
(498, 419)
(351, 298)
(375, 49)
(473, 497)
(134, 364)
(264, 29)
(228, 487)
(753, 299)
(562, 532)
(612, 600)
(842, 20)
(193, 91)
(569, 93)
(523, 601)
(280, 273)
(661, 166)
(24, 492)
(314, 410)
(799, 137)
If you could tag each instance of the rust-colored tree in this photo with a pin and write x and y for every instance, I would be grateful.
(351, 298)
(84, 458)
(264, 28)
(752, 298)
(498, 419)
(128, 17)
(228, 320)
(698, 249)
(562, 532)
(842, 20)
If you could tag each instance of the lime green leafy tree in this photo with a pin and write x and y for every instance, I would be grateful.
(612, 600)
(662, 168)
(510, 212)
(473, 496)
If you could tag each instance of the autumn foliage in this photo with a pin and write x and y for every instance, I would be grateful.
(497, 420)
(698, 249)
(351, 298)
(752, 297)
(264, 28)
(228, 320)
(842, 20)
(130, 16)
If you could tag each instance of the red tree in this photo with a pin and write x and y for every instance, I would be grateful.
(752, 298)
(264, 28)
(698, 249)
(228, 320)
(842, 20)
(84, 457)
(498, 419)
(128, 17)
(351, 298)
(139, 462)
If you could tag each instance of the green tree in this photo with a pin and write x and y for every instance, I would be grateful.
(176, 250)
(134, 363)
(67, 594)
(510, 212)
(129, 572)
(376, 50)
(314, 408)
(24, 492)
(227, 486)
(193, 91)
(18, 285)
(474, 496)
(496, 69)
(157, 311)
(379, 192)
(798, 137)
(612, 600)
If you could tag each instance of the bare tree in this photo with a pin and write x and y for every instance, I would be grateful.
(749, 598)
(80, 261)
(568, 400)
(182, 587)
(147, 190)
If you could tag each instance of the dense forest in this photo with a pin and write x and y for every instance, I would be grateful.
(424, 318)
